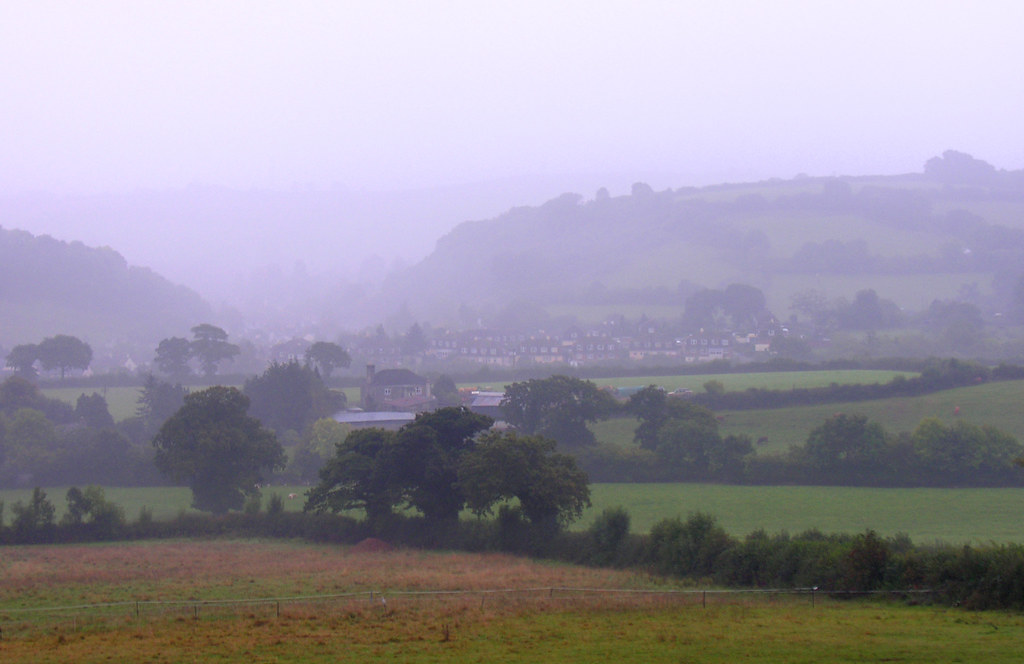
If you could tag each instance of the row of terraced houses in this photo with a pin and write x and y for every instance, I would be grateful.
(574, 347)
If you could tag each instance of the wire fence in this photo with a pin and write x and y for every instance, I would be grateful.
(22, 620)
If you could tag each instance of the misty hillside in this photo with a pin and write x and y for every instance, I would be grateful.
(48, 287)
(957, 227)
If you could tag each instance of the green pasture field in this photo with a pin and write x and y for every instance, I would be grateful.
(165, 502)
(469, 625)
(925, 515)
(769, 380)
(915, 292)
(124, 401)
(121, 401)
(955, 516)
(996, 403)
(790, 231)
(1003, 213)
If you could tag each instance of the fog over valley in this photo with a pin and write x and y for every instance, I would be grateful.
(314, 169)
(686, 326)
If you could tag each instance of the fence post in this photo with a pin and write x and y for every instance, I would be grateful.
(278, 609)
(704, 600)
(136, 609)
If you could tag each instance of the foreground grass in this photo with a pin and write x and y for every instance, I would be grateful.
(455, 629)
(549, 634)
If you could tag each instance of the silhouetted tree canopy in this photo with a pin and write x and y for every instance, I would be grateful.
(215, 447)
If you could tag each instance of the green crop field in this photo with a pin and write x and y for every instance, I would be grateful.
(163, 618)
(926, 515)
(956, 516)
(997, 404)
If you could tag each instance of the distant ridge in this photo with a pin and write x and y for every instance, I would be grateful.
(48, 286)
(913, 237)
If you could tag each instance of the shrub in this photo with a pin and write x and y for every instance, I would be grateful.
(689, 548)
(275, 504)
(252, 504)
(607, 534)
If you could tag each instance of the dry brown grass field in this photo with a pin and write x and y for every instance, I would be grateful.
(532, 625)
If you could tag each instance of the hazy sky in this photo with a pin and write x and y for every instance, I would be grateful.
(110, 96)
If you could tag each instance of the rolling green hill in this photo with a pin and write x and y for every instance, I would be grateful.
(49, 287)
(913, 238)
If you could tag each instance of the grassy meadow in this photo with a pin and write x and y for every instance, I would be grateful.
(121, 401)
(767, 380)
(997, 404)
(956, 516)
(463, 627)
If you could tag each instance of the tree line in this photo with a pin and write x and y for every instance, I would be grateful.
(679, 439)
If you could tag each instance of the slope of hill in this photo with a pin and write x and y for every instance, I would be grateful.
(913, 238)
(48, 287)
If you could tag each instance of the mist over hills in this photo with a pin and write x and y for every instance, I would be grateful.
(49, 286)
(954, 230)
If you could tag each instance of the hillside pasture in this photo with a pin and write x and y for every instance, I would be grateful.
(461, 627)
(995, 403)
(913, 292)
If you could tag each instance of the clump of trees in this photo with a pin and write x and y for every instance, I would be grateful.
(327, 357)
(209, 346)
(446, 461)
(291, 396)
(58, 353)
(682, 440)
(48, 441)
(217, 449)
(559, 407)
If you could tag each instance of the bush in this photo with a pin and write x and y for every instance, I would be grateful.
(607, 534)
(252, 504)
(275, 503)
(689, 548)
(34, 522)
